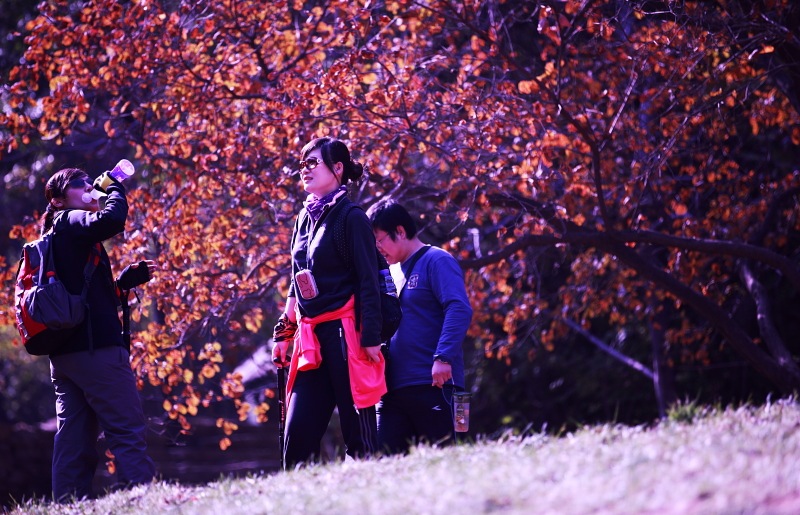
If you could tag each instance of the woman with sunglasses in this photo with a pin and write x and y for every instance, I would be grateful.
(336, 360)
(90, 369)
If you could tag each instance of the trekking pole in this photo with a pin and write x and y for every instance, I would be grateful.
(124, 295)
(281, 406)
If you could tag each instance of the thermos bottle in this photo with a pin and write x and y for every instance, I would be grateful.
(461, 412)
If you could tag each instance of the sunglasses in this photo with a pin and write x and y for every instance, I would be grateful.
(309, 163)
(79, 183)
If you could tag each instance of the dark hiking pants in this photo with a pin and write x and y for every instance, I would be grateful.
(96, 389)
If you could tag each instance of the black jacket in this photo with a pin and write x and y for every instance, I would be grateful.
(313, 247)
(75, 232)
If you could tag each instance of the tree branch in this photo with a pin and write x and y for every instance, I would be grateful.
(597, 342)
(743, 250)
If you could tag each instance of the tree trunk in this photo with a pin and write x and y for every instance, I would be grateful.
(663, 378)
(766, 326)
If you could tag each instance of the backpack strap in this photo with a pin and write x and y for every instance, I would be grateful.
(340, 232)
(88, 271)
(411, 264)
(339, 227)
(45, 260)
(48, 263)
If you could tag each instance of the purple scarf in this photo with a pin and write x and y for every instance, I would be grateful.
(317, 205)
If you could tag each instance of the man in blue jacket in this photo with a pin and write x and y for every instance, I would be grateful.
(426, 361)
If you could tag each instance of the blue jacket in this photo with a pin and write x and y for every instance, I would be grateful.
(436, 316)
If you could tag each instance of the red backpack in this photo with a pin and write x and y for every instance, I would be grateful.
(45, 310)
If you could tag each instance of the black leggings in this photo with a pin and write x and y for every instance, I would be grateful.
(315, 393)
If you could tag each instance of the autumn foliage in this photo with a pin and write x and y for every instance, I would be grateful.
(595, 166)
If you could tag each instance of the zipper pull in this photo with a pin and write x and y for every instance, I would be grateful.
(344, 344)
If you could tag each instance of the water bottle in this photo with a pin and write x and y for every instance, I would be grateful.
(388, 283)
(461, 412)
(122, 171)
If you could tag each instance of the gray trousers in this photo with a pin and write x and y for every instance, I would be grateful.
(95, 391)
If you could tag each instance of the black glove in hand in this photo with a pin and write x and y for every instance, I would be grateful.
(133, 276)
(284, 330)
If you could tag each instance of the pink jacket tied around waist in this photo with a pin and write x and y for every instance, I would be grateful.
(367, 379)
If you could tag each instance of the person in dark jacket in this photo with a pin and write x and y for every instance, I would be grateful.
(336, 360)
(426, 362)
(91, 373)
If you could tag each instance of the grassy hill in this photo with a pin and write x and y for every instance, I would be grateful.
(701, 460)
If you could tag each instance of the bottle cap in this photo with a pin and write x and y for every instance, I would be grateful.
(123, 170)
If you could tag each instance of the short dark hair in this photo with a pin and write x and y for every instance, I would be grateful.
(335, 151)
(388, 215)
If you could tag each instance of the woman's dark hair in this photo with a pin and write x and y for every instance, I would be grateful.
(335, 151)
(56, 187)
(388, 215)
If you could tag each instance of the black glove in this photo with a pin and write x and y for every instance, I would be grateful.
(133, 276)
(284, 330)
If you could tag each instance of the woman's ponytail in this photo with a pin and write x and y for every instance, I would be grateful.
(335, 151)
(353, 171)
(47, 218)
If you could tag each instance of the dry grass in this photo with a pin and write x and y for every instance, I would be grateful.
(744, 460)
